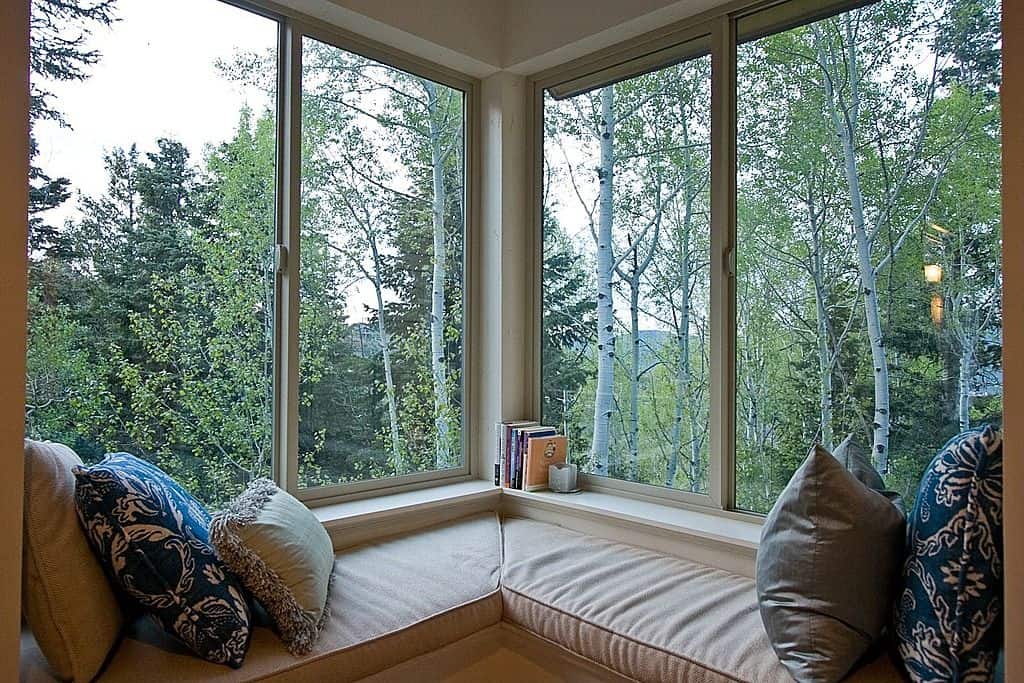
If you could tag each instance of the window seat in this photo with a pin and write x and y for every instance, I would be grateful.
(642, 614)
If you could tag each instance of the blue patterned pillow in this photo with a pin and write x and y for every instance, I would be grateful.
(152, 538)
(949, 613)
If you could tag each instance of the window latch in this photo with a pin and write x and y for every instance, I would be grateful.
(730, 261)
(280, 258)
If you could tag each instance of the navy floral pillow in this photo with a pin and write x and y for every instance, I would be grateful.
(949, 614)
(152, 538)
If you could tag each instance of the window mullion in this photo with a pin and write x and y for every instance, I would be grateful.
(723, 271)
(286, 392)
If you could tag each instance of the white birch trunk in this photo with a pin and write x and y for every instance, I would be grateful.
(385, 351)
(824, 350)
(966, 371)
(634, 368)
(605, 270)
(845, 121)
(438, 367)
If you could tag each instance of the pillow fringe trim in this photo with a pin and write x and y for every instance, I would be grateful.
(298, 628)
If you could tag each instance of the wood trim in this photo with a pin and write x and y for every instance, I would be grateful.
(14, 108)
(1013, 334)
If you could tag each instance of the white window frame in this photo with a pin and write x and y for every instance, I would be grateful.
(293, 27)
(718, 33)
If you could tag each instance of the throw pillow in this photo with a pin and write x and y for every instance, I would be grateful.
(855, 457)
(283, 555)
(153, 539)
(949, 615)
(827, 569)
(66, 599)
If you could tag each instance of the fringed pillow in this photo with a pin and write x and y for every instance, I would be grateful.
(283, 555)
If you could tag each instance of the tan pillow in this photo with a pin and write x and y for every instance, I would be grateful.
(283, 555)
(66, 598)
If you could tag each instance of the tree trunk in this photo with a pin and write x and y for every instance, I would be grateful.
(963, 403)
(438, 367)
(634, 370)
(821, 308)
(605, 270)
(385, 350)
(845, 121)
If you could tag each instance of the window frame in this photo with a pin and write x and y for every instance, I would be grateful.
(673, 44)
(293, 27)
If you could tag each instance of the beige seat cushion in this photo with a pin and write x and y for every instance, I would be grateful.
(392, 600)
(648, 616)
(66, 597)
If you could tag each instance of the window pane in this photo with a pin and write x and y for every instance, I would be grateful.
(381, 271)
(151, 294)
(868, 291)
(626, 232)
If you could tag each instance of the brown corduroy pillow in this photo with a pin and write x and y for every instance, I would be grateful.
(66, 597)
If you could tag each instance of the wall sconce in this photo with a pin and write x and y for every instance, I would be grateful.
(936, 308)
(933, 273)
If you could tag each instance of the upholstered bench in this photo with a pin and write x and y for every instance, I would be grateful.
(647, 616)
(391, 600)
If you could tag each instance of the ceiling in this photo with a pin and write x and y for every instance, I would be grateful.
(481, 37)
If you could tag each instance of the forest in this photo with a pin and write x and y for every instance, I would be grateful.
(152, 308)
(867, 270)
(868, 236)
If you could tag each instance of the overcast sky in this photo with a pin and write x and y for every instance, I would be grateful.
(156, 78)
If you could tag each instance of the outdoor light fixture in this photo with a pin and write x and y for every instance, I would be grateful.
(933, 272)
(937, 307)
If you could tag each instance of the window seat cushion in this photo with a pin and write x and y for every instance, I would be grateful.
(392, 600)
(648, 616)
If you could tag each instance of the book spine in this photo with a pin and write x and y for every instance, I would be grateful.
(521, 460)
(497, 453)
(517, 456)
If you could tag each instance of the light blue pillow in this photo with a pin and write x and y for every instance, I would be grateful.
(152, 538)
(949, 614)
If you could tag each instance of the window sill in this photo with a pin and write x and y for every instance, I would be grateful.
(358, 521)
(711, 538)
(716, 539)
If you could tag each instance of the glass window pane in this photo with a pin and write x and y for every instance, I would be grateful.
(625, 276)
(151, 280)
(383, 218)
(868, 290)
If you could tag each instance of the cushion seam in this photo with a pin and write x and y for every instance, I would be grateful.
(332, 653)
(630, 638)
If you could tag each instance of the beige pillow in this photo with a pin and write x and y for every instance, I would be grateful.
(66, 598)
(283, 555)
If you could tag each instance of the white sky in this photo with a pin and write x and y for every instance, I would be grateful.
(157, 77)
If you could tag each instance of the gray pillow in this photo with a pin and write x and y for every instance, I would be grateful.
(854, 456)
(282, 553)
(827, 569)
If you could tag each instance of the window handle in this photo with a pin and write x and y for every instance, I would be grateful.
(280, 258)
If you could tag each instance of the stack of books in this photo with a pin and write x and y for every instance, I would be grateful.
(524, 450)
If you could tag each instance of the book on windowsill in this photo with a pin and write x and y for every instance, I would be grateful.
(504, 455)
(541, 453)
(524, 435)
